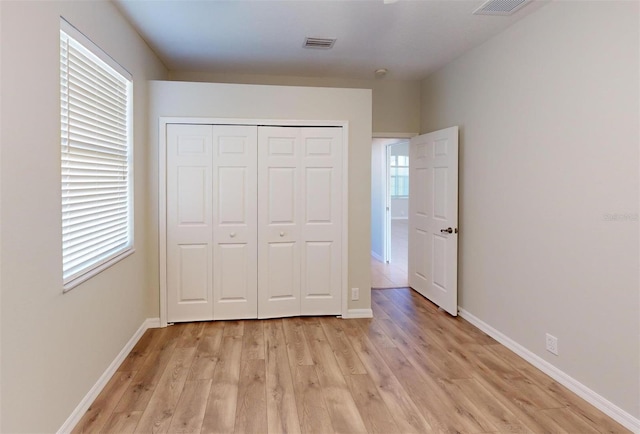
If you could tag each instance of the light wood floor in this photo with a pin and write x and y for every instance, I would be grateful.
(411, 369)
(393, 274)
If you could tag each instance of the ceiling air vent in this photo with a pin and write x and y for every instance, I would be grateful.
(325, 43)
(500, 7)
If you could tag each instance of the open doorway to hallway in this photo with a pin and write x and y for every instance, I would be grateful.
(389, 212)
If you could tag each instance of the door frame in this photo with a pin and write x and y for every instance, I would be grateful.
(386, 227)
(386, 247)
(162, 191)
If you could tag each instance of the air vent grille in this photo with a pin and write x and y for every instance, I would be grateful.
(500, 7)
(324, 43)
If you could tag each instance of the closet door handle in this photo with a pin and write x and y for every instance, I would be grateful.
(282, 234)
(232, 234)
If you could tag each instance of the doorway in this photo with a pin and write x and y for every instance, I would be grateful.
(389, 213)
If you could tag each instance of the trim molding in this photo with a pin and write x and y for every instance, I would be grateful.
(153, 323)
(593, 398)
(376, 256)
(358, 313)
(383, 135)
(93, 393)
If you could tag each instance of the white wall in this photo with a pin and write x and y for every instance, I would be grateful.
(396, 103)
(284, 102)
(54, 345)
(549, 117)
(400, 208)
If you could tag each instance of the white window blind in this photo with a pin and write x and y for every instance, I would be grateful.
(97, 203)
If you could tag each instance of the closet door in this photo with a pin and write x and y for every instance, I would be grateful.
(299, 221)
(321, 221)
(189, 223)
(235, 235)
(279, 183)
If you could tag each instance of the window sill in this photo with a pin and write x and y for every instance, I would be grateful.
(96, 270)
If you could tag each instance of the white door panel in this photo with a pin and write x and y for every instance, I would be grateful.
(278, 220)
(193, 276)
(299, 213)
(321, 210)
(235, 222)
(433, 217)
(189, 223)
(282, 282)
(248, 205)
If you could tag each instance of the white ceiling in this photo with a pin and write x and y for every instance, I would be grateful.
(411, 38)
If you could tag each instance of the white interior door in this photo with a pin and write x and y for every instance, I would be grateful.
(433, 217)
(299, 221)
(321, 225)
(189, 223)
(254, 221)
(235, 236)
(279, 186)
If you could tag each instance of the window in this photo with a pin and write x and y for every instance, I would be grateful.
(399, 179)
(96, 148)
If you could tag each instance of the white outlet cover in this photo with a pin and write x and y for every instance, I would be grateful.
(355, 294)
(552, 344)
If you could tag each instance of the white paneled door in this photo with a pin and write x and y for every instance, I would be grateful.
(211, 222)
(189, 223)
(433, 217)
(235, 236)
(299, 221)
(254, 221)
(279, 179)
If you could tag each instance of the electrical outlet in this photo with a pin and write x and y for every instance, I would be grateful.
(552, 344)
(355, 293)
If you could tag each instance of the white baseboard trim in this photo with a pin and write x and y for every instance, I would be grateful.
(93, 393)
(598, 401)
(153, 323)
(376, 256)
(358, 313)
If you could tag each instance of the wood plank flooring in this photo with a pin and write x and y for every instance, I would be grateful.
(394, 274)
(411, 369)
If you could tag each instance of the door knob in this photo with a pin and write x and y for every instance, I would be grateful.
(232, 234)
(447, 230)
(282, 234)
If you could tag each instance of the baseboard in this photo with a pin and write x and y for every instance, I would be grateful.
(86, 402)
(376, 256)
(358, 313)
(153, 323)
(593, 398)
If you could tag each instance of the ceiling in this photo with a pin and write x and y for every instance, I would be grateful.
(411, 38)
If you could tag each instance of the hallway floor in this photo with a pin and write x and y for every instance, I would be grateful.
(393, 274)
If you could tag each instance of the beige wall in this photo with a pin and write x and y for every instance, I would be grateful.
(257, 102)
(396, 103)
(549, 122)
(55, 346)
